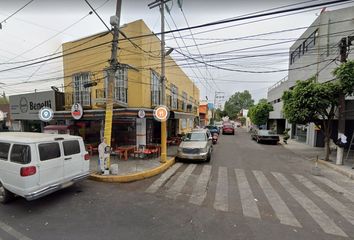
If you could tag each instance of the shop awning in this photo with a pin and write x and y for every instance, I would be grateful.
(181, 115)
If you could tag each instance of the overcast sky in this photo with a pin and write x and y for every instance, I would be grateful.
(42, 26)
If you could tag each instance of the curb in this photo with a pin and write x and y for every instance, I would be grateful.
(134, 176)
(337, 169)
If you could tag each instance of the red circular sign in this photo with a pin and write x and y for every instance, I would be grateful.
(161, 113)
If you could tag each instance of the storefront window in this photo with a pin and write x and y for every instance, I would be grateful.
(123, 132)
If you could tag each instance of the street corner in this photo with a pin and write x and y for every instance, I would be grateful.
(131, 177)
(344, 170)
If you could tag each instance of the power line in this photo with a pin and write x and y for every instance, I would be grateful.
(15, 12)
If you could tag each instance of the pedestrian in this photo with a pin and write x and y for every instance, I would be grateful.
(103, 155)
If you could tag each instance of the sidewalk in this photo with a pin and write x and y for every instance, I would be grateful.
(312, 153)
(133, 169)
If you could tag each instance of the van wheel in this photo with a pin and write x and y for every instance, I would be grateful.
(5, 195)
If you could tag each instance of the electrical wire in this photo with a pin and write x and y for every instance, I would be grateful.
(16, 12)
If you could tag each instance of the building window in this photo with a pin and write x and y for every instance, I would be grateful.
(120, 84)
(174, 96)
(155, 89)
(81, 94)
(184, 101)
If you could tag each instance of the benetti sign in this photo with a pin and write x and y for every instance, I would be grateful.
(27, 106)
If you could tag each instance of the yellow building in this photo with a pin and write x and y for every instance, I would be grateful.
(137, 87)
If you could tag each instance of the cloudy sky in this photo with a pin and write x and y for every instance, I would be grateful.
(43, 25)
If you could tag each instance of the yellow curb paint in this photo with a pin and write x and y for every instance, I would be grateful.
(135, 176)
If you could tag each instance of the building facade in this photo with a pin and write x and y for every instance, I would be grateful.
(315, 53)
(137, 87)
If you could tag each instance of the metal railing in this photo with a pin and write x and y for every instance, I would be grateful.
(277, 84)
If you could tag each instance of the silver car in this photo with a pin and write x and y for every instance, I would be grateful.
(196, 145)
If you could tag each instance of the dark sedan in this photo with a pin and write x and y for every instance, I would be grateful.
(265, 136)
(213, 129)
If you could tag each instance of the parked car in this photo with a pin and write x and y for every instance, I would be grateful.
(219, 125)
(196, 145)
(264, 136)
(33, 165)
(228, 128)
(213, 129)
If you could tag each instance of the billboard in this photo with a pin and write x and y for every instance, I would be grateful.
(27, 106)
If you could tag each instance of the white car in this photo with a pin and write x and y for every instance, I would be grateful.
(196, 145)
(33, 165)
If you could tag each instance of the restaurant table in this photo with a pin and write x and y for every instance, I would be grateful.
(126, 150)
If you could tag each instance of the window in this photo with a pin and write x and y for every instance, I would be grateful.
(120, 84)
(4, 151)
(184, 101)
(48, 151)
(81, 94)
(155, 89)
(20, 154)
(71, 147)
(174, 96)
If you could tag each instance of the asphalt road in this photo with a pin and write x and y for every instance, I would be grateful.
(247, 191)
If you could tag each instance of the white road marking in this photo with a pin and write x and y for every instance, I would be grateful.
(334, 203)
(221, 201)
(280, 208)
(13, 232)
(200, 189)
(178, 185)
(348, 195)
(249, 206)
(164, 177)
(327, 225)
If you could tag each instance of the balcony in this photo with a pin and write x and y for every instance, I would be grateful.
(119, 101)
(85, 101)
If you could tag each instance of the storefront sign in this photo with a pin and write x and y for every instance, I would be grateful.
(46, 114)
(161, 113)
(27, 106)
(76, 111)
(141, 113)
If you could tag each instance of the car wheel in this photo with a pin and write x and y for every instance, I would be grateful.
(257, 140)
(208, 157)
(5, 195)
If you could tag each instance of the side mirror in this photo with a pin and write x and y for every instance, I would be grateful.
(210, 138)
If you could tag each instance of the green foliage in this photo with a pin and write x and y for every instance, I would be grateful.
(259, 113)
(286, 134)
(345, 74)
(310, 101)
(238, 101)
(219, 114)
(4, 100)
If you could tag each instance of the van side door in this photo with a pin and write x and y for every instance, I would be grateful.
(73, 158)
(50, 164)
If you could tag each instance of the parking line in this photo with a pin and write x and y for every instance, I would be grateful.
(178, 185)
(249, 206)
(327, 225)
(221, 201)
(161, 180)
(13, 232)
(200, 189)
(280, 208)
(331, 201)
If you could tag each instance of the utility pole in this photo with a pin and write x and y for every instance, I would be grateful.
(341, 108)
(154, 4)
(115, 22)
(216, 96)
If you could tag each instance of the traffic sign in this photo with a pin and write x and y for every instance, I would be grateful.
(46, 114)
(161, 113)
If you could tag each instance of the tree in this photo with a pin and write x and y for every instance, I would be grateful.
(259, 113)
(219, 114)
(314, 102)
(238, 101)
(242, 120)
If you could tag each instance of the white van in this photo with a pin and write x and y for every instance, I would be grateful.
(33, 165)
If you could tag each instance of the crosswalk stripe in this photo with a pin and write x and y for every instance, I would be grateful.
(327, 225)
(221, 201)
(249, 206)
(348, 195)
(164, 177)
(178, 185)
(13, 232)
(334, 203)
(200, 188)
(280, 208)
